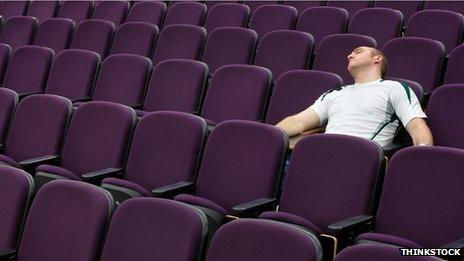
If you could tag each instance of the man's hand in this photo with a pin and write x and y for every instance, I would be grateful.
(420, 132)
(300, 122)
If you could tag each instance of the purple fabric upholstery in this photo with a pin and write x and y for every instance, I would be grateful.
(144, 33)
(122, 79)
(301, 6)
(77, 11)
(127, 184)
(9, 9)
(296, 90)
(73, 74)
(422, 199)
(455, 6)
(430, 24)
(202, 202)
(55, 33)
(269, 18)
(113, 11)
(454, 68)
(251, 239)
(16, 188)
(253, 5)
(227, 14)
(176, 85)
(351, 6)
(8, 102)
(229, 45)
(335, 21)
(382, 24)
(237, 92)
(407, 8)
(185, 13)
(19, 31)
(28, 69)
(284, 50)
(70, 216)
(5, 53)
(148, 11)
(443, 106)
(406, 60)
(180, 41)
(387, 239)
(333, 50)
(211, 4)
(289, 218)
(5, 160)
(43, 10)
(378, 253)
(314, 181)
(59, 171)
(94, 35)
(154, 229)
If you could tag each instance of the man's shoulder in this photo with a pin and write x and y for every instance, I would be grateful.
(398, 88)
(333, 91)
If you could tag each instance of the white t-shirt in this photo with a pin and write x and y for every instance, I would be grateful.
(369, 110)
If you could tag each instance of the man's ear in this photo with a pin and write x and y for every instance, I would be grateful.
(378, 58)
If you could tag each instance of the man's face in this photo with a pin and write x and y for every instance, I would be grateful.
(360, 57)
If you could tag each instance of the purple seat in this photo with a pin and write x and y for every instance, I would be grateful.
(148, 11)
(351, 6)
(382, 24)
(8, 102)
(47, 116)
(430, 23)
(9, 9)
(19, 31)
(150, 165)
(453, 72)
(55, 33)
(77, 11)
(335, 21)
(296, 90)
(16, 188)
(155, 229)
(251, 239)
(333, 50)
(192, 13)
(284, 50)
(43, 10)
(229, 45)
(145, 34)
(28, 70)
(253, 5)
(237, 92)
(176, 85)
(269, 18)
(70, 216)
(406, 60)
(211, 4)
(301, 6)
(97, 142)
(94, 35)
(454, 6)
(377, 252)
(73, 74)
(113, 11)
(407, 8)
(5, 53)
(180, 41)
(227, 15)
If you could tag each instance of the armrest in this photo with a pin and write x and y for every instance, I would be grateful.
(97, 176)
(456, 244)
(83, 99)
(350, 228)
(174, 189)
(33, 163)
(255, 206)
(137, 106)
(7, 254)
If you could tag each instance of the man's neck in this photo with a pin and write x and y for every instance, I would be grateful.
(366, 76)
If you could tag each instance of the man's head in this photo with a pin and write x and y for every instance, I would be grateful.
(367, 58)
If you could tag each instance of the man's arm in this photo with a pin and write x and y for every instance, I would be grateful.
(296, 124)
(420, 132)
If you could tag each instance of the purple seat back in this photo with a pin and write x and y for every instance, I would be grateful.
(455, 6)
(229, 45)
(296, 90)
(253, 5)
(180, 41)
(237, 92)
(351, 6)
(8, 102)
(335, 21)
(19, 31)
(250, 167)
(185, 13)
(28, 69)
(227, 15)
(382, 24)
(94, 35)
(422, 188)
(333, 169)
(43, 10)
(145, 34)
(176, 85)
(69, 215)
(211, 4)
(301, 6)
(269, 18)
(150, 12)
(77, 11)
(55, 33)
(16, 187)
(455, 64)
(9, 9)
(406, 60)
(155, 229)
(430, 24)
(113, 11)
(407, 8)
(98, 137)
(333, 51)
(73, 74)
(241, 239)
(5, 53)
(284, 50)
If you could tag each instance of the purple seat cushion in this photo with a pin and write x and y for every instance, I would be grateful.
(377, 253)
(388, 239)
(127, 184)
(290, 218)
(58, 171)
(202, 202)
(7, 160)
